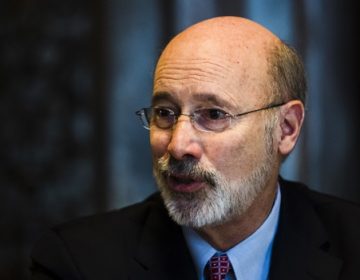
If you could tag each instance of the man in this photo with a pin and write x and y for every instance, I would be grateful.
(227, 109)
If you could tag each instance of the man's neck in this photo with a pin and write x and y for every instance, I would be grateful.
(225, 236)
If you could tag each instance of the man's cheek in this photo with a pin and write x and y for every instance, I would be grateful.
(231, 161)
(159, 143)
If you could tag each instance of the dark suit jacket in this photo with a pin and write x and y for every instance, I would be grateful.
(318, 238)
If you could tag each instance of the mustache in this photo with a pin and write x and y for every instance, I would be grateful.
(188, 167)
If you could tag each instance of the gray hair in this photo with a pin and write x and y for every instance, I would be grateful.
(287, 74)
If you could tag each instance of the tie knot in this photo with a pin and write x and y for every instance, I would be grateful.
(218, 266)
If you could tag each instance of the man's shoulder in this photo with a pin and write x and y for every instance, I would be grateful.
(299, 192)
(339, 216)
(128, 216)
(95, 246)
(322, 229)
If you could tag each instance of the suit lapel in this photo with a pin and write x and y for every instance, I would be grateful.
(162, 252)
(301, 246)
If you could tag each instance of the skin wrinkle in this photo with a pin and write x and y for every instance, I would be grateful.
(194, 74)
(176, 64)
(195, 77)
(172, 71)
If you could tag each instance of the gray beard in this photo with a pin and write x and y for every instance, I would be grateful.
(216, 204)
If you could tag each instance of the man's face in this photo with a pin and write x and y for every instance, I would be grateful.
(207, 178)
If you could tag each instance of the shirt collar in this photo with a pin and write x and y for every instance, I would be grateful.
(250, 258)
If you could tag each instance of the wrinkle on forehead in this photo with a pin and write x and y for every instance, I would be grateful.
(198, 69)
(191, 64)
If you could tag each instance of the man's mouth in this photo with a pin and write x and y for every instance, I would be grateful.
(180, 183)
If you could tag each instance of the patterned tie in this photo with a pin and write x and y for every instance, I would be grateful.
(217, 267)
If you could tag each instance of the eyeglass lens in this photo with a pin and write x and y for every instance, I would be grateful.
(203, 119)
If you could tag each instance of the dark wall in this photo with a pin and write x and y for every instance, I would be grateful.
(342, 64)
(330, 152)
(51, 115)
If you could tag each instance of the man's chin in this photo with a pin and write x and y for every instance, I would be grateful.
(187, 209)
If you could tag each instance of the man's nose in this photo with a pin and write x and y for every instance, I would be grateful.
(185, 141)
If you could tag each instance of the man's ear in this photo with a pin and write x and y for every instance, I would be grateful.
(291, 120)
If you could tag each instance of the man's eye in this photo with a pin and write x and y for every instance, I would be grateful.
(163, 112)
(214, 114)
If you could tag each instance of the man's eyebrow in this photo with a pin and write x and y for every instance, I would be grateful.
(203, 97)
(161, 96)
(211, 98)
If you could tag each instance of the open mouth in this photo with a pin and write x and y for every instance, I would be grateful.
(185, 183)
(182, 180)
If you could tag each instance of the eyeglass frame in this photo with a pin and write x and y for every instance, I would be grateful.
(146, 123)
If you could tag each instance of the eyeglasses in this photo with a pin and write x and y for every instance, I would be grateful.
(211, 119)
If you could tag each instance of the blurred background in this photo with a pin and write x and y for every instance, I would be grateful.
(72, 73)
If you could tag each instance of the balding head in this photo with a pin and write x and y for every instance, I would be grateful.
(242, 50)
(233, 38)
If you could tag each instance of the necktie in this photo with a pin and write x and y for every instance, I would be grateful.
(217, 267)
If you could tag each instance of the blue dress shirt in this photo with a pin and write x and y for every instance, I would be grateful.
(250, 258)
